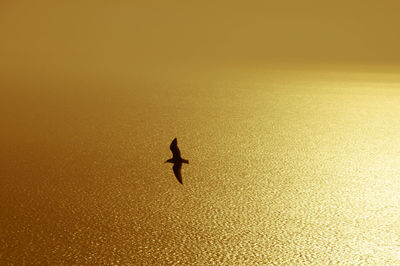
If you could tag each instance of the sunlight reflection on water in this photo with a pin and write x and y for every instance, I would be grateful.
(302, 171)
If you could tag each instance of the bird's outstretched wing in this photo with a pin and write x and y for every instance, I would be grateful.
(177, 172)
(174, 148)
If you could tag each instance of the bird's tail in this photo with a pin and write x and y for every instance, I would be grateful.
(185, 161)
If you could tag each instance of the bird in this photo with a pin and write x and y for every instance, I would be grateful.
(177, 160)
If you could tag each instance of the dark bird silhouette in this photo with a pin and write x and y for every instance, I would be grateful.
(176, 160)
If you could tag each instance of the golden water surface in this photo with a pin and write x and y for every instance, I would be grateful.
(286, 167)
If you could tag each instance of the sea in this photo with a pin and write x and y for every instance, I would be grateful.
(287, 166)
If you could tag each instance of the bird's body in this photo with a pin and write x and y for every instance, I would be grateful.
(177, 160)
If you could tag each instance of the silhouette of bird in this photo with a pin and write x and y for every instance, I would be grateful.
(176, 160)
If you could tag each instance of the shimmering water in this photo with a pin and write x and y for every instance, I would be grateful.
(285, 168)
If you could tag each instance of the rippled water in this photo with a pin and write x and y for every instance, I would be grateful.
(285, 168)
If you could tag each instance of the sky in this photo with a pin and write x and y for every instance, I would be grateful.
(71, 37)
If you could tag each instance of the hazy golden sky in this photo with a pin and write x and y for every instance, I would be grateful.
(118, 35)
